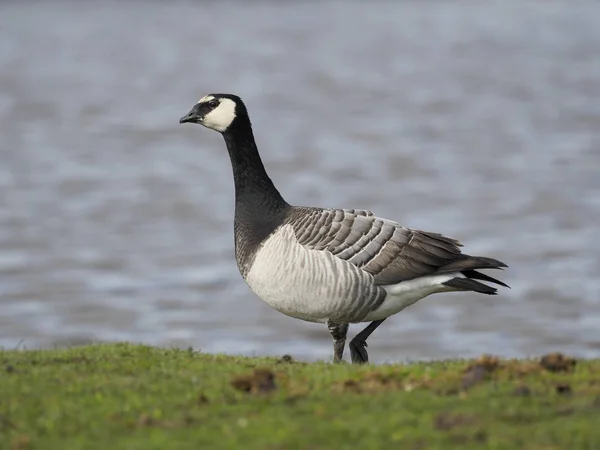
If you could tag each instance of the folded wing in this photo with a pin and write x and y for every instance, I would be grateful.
(383, 248)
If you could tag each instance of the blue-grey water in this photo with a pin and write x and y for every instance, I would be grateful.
(480, 120)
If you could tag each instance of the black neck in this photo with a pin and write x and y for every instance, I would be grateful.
(253, 187)
(259, 207)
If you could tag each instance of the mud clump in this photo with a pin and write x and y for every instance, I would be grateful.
(202, 400)
(146, 420)
(479, 371)
(557, 362)
(6, 424)
(373, 382)
(446, 421)
(522, 391)
(487, 362)
(473, 376)
(563, 389)
(21, 442)
(351, 386)
(261, 381)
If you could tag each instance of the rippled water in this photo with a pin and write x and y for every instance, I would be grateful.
(480, 120)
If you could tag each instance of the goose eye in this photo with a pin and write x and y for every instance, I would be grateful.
(212, 103)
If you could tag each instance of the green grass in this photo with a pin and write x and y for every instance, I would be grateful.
(124, 396)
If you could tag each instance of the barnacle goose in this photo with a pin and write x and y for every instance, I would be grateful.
(334, 266)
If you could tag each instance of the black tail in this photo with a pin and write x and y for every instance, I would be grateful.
(473, 274)
(467, 284)
(466, 265)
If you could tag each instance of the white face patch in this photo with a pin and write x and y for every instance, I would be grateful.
(206, 98)
(221, 117)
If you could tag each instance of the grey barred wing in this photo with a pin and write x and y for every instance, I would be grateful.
(381, 247)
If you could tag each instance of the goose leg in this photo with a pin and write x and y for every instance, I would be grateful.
(338, 333)
(358, 345)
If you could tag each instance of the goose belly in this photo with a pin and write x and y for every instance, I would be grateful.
(308, 284)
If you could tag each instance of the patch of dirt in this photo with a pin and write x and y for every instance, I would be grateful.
(446, 421)
(563, 389)
(291, 400)
(479, 371)
(146, 420)
(21, 442)
(522, 391)
(457, 382)
(374, 382)
(202, 400)
(419, 444)
(481, 436)
(482, 369)
(557, 362)
(487, 362)
(565, 411)
(261, 381)
(515, 368)
(6, 424)
(351, 386)
(473, 376)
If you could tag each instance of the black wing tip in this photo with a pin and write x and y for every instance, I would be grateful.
(501, 283)
(491, 263)
(475, 275)
(469, 284)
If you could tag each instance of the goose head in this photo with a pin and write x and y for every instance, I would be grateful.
(216, 111)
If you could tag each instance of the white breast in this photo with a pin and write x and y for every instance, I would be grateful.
(306, 284)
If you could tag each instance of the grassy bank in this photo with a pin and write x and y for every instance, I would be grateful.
(135, 397)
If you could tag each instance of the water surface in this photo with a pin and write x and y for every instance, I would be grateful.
(478, 120)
